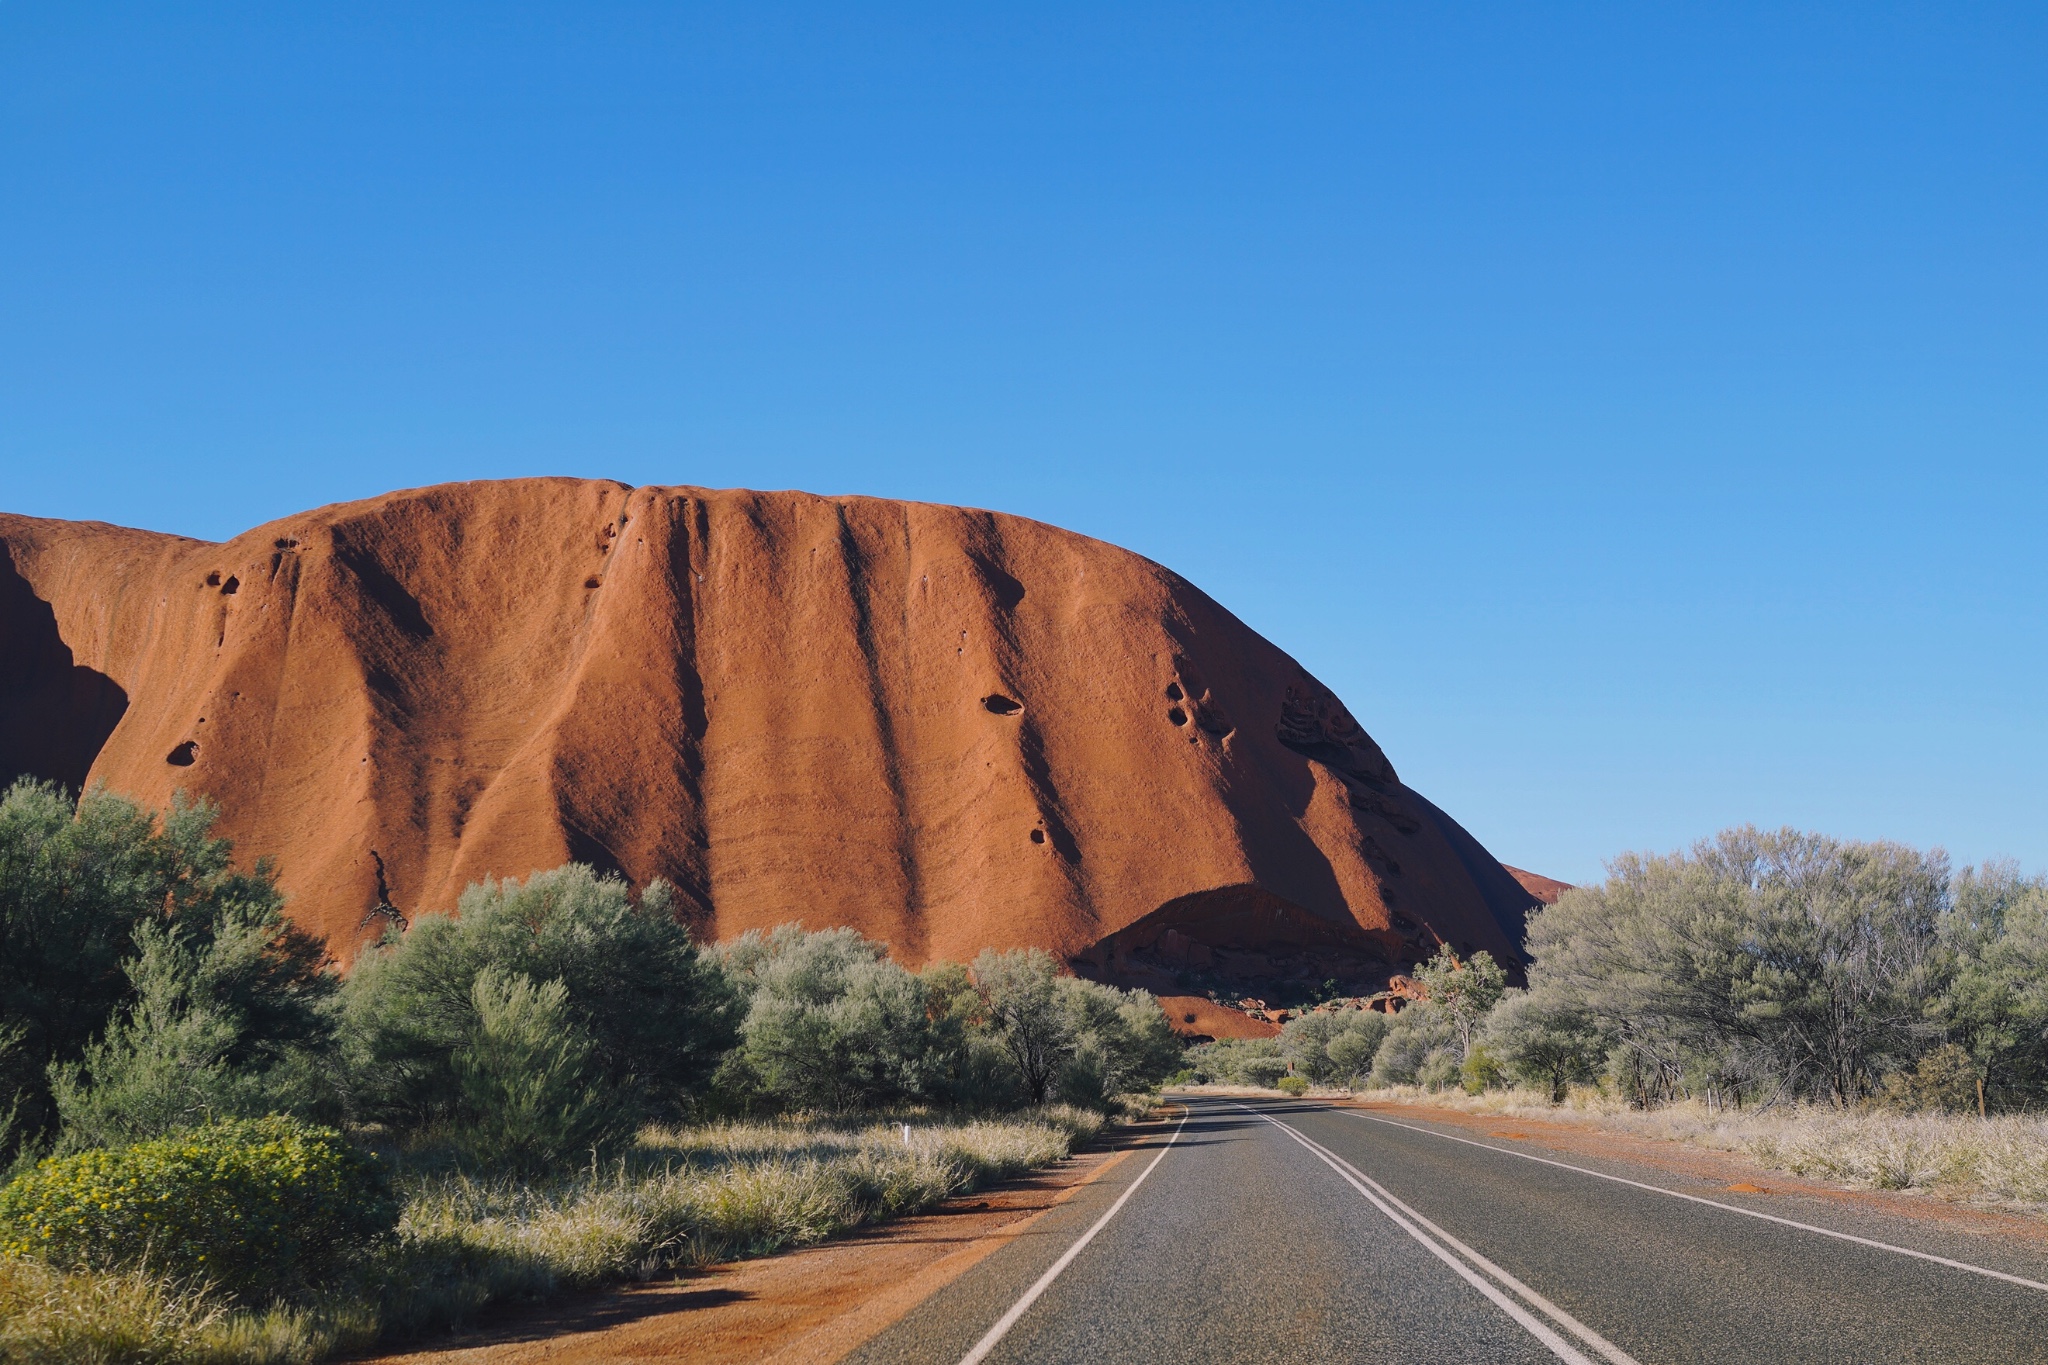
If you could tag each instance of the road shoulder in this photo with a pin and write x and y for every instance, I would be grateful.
(1734, 1174)
(807, 1307)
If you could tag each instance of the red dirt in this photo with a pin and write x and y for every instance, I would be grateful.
(1197, 1016)
(950, 729)
(807, 1307)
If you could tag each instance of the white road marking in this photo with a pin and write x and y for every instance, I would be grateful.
(1559, 1347)
(1044, 1282)
(1558, 1315)
(1717, 1204)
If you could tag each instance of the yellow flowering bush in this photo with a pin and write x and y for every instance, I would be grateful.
(257, 1207)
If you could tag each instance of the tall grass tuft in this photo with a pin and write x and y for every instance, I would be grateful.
(99, 1319)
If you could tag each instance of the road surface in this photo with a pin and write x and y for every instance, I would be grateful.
(1293, 1231)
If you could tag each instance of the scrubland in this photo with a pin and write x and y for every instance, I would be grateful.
(1854, 1012)
(2001, 1160)
(678, 1199)
(220, 1148)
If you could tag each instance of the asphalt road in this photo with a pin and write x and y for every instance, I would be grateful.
(1278, 1231)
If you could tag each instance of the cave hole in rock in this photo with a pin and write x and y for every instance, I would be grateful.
(285, 543)
(1000, 705)
(592, 582)
(1173, 692)
(228, 588)
(1037, 836)
(1176, 715)
(182, 756)
(213, 579)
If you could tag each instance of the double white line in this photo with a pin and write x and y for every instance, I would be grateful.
(1949, 1261)
(1482, 1274)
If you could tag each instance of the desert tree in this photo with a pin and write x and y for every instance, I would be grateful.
(144, 977)
(659, 1017)
(832, 1024)
(1463, 990)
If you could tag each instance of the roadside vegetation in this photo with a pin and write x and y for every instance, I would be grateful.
(1999, 1160)
(1859, 1012)
(217, 1149)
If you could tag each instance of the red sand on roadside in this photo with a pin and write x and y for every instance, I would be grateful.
(814, 1306)
(807, 1307)
(1734, 1173)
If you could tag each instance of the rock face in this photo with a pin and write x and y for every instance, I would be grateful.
(1544, 889)
(950, 729)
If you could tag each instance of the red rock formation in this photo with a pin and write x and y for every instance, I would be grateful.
(1544, 889)
(1197, 1017)
(951, 729)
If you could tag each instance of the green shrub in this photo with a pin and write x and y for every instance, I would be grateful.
(1295, 1086)
(833, 1025)
(658, 1014)
(1481, 1071)
(1237, 1061)
(1462, 991)
(224, 1025)
(1123, 1044)
(259, 1207)
(1265, 1071)
(1543, 1038)
(1350, 1053)
(1079, 1040)
(82, 886)
(1945, 1082)
(1421, 1048)
(1333, 1046)
(1022, 1008)
(524, 1077)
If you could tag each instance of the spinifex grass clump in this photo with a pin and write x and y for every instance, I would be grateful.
(86, 1317)
(254, 1207)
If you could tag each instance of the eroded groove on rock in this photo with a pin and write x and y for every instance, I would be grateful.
(950, 729)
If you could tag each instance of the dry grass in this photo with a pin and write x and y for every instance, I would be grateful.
(98, 1319)
(2001, 1160)
(678, 1200)
(692, 1197)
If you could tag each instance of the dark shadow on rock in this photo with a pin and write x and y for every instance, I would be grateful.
(55, 715)
(1507, 900)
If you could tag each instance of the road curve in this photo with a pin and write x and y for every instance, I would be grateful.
(1300, 1232)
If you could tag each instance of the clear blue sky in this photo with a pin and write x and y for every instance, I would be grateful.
(1637, 412)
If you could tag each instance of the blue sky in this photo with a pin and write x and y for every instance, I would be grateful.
(1638, 413)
